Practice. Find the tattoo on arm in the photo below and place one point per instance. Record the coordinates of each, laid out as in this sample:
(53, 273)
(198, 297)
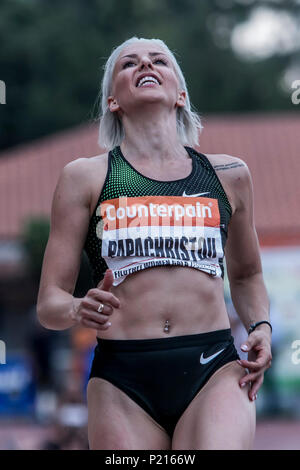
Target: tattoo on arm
(227, 166)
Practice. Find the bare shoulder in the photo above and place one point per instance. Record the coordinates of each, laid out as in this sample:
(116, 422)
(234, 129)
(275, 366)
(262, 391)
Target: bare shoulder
(82, 166)
(86, 176)
(233, 173)
(228, 165)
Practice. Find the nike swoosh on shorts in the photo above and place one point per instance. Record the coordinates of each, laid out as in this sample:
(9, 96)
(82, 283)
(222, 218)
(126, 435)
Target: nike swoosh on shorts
(194, 195)
(205, 360)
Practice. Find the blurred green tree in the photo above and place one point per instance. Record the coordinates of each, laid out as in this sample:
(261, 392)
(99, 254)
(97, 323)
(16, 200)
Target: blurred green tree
(52, 54)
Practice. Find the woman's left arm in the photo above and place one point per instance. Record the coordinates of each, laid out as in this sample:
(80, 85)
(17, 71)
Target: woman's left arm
(247, 287)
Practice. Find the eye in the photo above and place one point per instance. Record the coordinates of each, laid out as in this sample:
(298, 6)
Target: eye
(161, 60)
(126, 63)
(129, 63)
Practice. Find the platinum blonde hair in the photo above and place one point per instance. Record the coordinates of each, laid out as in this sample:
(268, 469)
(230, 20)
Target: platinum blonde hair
(111, 131)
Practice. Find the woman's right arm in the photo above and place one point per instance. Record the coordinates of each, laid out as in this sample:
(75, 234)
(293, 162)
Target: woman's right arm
(57, 309)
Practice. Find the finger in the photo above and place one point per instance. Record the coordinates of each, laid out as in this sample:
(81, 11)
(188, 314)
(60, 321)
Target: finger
(251, 341)
(95, 325)
(92, 305)
(258, 364)
(107, 309)
(107, 282)
(256, 384)
(247, 345)
(107, 298)
(248, 378)
(96, 317)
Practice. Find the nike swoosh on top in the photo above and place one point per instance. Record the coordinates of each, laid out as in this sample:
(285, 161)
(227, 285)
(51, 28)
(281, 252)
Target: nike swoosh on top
(194, 195)
(205, 360)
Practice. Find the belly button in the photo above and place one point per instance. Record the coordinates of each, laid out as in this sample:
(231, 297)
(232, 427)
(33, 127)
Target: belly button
(167, 326)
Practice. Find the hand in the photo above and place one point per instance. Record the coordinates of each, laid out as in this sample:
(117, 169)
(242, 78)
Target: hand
(86, 309)
(259, 360)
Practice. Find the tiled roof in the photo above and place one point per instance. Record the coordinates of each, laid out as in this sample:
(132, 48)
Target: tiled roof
(268, 143)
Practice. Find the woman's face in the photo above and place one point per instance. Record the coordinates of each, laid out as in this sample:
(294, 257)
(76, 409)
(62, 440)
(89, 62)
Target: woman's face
(135, 62)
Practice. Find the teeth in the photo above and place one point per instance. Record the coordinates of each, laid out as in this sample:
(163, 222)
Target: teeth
(147, 79)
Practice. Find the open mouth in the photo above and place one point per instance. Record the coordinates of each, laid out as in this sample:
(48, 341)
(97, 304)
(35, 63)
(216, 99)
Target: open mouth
(147, 80)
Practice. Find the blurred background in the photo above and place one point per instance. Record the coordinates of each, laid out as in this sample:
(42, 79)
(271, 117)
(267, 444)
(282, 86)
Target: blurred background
(241, 60)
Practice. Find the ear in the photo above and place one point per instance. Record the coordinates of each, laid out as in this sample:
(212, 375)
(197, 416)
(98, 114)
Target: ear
(113, 104)
(181, 99)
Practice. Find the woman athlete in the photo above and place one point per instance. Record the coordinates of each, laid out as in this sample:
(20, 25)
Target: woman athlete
(156, 218)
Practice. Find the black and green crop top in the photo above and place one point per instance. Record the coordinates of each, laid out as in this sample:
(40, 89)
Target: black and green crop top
(140, 222)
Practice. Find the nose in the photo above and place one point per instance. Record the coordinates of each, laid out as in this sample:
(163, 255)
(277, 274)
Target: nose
(145, 61)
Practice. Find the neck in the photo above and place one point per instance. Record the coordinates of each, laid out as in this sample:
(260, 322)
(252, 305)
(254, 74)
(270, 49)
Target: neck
(152, 136)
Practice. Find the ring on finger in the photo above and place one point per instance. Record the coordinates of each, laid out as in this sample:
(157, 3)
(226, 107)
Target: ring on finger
(100, 308)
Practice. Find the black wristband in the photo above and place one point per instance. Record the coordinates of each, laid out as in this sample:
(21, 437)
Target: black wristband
(254, 325)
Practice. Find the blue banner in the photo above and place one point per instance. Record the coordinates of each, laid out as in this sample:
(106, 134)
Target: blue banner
(17, 387)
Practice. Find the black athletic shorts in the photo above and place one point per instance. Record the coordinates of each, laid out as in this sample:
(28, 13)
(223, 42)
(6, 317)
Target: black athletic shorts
(163, 375)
